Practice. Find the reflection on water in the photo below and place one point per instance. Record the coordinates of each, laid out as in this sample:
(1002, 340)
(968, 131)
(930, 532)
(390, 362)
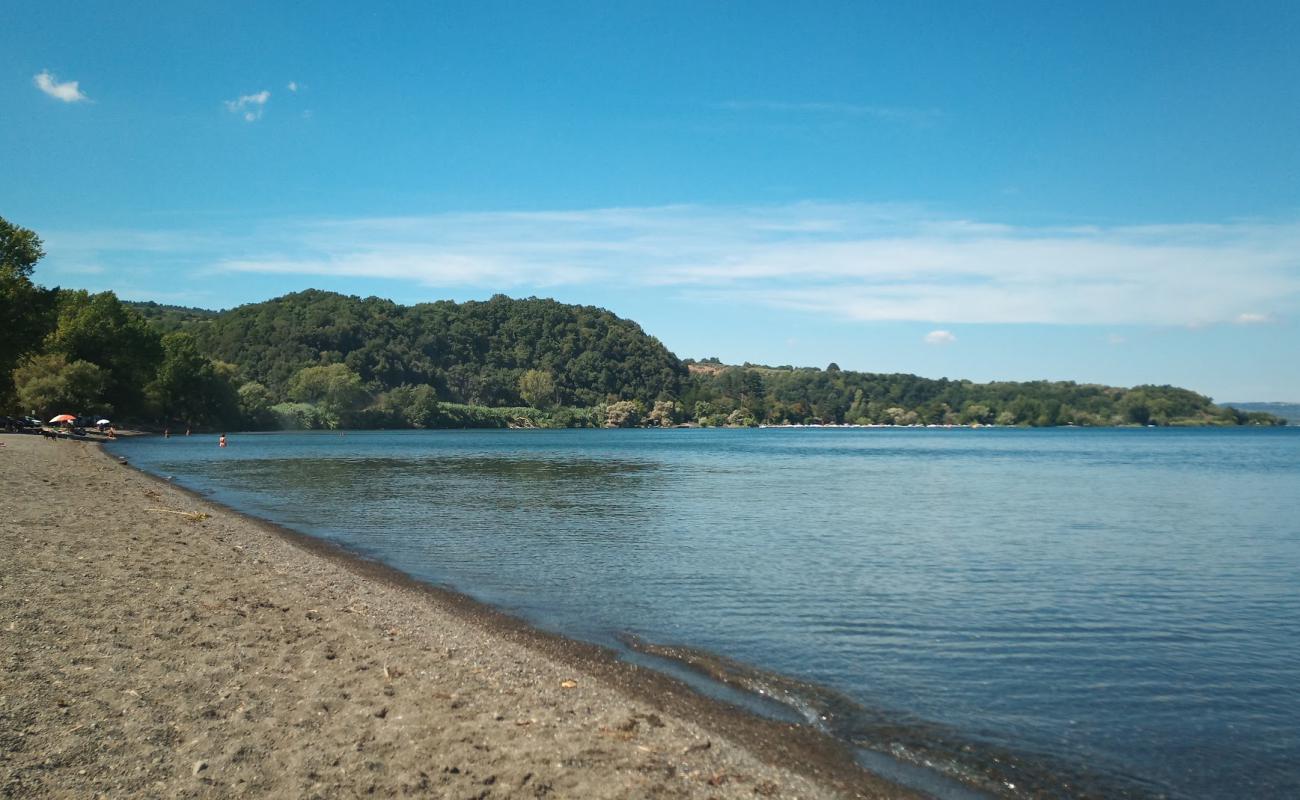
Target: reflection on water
(1113, 609)
(504, 483)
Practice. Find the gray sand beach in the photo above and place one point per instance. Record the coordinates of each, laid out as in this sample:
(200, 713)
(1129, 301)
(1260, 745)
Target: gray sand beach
(155, 644)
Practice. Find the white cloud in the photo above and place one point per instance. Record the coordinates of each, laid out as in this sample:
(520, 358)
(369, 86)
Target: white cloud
(939, 338)
(249, 106)
(292, 86)
(1252, 319)
(1115, 339)
(852, 261)
(68, 91)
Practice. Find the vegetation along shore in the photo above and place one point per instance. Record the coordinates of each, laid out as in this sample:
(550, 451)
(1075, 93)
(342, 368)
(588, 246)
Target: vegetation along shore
(317, 359)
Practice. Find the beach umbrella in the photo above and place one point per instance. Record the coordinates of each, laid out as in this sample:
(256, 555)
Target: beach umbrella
(64, 418)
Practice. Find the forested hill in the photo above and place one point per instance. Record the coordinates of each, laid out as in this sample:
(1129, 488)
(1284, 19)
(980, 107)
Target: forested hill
(506, 353)
(317, 359)
(1287, 411)
(474, 353)
(749, 394)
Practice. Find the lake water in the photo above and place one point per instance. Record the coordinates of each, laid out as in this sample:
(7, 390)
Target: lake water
(1106, 612)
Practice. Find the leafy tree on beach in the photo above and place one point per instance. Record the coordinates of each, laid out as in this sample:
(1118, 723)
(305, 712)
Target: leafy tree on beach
(191, 388)
(50, 384)
(100, 329)
(26, 310)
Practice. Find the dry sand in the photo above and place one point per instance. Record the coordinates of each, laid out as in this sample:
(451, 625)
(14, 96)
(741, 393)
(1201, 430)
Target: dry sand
(150, 653)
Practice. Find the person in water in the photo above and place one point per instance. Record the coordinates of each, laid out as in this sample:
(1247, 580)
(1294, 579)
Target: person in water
(222, 441)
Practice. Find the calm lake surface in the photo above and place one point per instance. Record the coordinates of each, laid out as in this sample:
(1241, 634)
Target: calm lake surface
(1117, 610)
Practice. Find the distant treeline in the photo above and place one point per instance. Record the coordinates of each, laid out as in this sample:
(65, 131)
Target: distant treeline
(751, 393)
(1287, 411)
(318, 359)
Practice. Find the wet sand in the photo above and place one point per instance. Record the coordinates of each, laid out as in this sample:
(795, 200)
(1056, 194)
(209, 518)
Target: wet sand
(155, 644)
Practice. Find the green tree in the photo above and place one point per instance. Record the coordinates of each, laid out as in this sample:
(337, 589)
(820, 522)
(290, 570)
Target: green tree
(26, 310)
(664, 414)
(976, 413)
(100, 329)
(300, 416)
(624, 414)
(190, 388)
(537, 388)
(410, 406)
(255, 403)
(741, 418)
(20, 249)
(336, 390)
(50, 384)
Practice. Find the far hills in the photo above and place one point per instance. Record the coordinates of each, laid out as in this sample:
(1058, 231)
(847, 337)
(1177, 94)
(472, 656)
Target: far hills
(540, 362)
(317, 359)
(1287, 411)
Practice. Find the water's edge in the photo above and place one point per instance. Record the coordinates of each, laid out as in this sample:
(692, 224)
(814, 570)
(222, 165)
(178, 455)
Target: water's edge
(920, 755)
(779, 738)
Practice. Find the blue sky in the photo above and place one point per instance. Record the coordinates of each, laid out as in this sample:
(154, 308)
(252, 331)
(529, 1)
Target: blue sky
(1103, 192)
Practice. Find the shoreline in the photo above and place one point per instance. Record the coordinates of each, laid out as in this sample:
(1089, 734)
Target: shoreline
(677, 742)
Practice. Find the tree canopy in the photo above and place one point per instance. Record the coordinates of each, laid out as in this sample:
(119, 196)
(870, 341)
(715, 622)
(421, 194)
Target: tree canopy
(317, 359)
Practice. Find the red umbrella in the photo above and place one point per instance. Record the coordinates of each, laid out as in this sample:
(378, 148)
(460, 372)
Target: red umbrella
(64, 418)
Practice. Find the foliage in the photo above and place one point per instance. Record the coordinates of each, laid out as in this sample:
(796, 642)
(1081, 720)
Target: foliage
(255, 402)
(408, 406)
(537, 388)
(100, 329)
(20, 249)
(1287, 411)
(318, 359)
(474, 353)
(170, 319)
(192, 389)
(836, 396)
(664, 414)
(334, 389)
(300, 417)
(624, 414)
(50, 384)
(26, 310)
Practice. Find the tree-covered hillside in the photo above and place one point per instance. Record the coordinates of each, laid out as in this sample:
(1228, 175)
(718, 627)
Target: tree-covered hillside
(755, 394)
(474, 353)
(317, 359)
(1287, 411)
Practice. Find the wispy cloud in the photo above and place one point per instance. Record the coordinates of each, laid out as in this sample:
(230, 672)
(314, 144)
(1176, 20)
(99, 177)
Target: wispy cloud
(292, 86)
(898, 114)
(852, 261)
(250, 106)
(939, 338)
(68, 91)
